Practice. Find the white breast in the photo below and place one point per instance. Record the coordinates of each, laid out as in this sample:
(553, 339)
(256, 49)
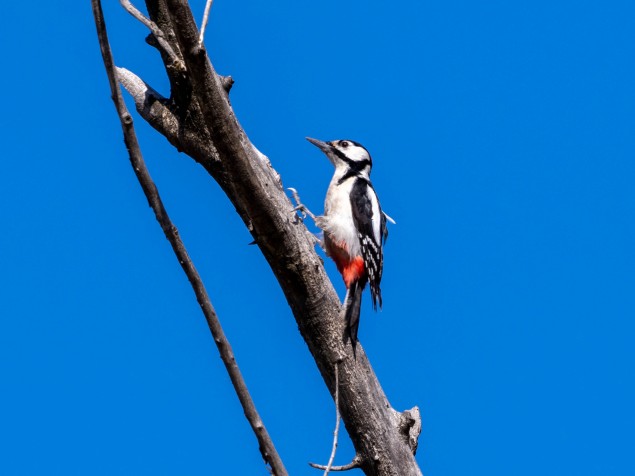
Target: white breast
(338, 216)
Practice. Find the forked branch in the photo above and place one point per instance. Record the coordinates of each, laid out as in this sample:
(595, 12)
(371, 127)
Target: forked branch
(156, 31)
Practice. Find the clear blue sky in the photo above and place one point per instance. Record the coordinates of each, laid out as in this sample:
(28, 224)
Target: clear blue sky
(503, 139)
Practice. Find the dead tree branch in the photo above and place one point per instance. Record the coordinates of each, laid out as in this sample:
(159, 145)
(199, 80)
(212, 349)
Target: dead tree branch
(267, 448)
(198, 120)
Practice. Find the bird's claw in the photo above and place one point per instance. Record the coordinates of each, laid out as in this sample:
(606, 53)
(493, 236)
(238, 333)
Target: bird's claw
(300, 207)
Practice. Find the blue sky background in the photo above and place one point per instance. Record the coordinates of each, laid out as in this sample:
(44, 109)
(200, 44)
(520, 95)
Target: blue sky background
(503, 138)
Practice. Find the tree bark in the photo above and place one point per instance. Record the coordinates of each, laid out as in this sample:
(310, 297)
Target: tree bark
(198, 120)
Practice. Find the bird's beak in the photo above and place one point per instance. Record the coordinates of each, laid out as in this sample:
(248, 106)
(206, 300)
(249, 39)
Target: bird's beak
(323, 146)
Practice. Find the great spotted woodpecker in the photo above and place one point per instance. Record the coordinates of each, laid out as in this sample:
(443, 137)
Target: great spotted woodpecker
(354, 226)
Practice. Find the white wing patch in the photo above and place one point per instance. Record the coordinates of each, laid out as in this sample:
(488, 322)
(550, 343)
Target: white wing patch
(376, 218)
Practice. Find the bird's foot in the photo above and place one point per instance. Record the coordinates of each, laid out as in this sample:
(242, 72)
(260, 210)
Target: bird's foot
(300, 209)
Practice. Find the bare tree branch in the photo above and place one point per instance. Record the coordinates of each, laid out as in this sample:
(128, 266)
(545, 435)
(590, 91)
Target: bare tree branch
(267, 448)
(208, 6)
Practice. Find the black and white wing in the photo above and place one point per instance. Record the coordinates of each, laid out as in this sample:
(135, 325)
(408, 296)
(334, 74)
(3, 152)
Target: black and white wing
(370, 224)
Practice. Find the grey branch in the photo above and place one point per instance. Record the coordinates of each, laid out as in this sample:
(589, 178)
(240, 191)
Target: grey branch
(256, 192)
(267, 448)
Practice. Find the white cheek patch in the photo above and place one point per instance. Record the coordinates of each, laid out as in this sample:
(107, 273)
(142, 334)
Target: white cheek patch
(356, 153)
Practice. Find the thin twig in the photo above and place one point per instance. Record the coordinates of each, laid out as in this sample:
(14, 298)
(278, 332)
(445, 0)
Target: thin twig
(337, 421)
(267, 449)
(156, 31)
(356, 463)
(329, 467)
(208, 6)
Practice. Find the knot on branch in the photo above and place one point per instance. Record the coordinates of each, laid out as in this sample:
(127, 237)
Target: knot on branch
(227, 82)
(198, 51)
(410, 427)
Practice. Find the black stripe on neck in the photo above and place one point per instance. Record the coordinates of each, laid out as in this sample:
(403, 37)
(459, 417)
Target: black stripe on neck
(352, 173)
(354, 167)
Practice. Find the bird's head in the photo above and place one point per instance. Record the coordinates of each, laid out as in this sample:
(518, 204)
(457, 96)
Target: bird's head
(346, 154)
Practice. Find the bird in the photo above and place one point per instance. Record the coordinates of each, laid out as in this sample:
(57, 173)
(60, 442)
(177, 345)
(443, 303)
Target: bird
(354, 227)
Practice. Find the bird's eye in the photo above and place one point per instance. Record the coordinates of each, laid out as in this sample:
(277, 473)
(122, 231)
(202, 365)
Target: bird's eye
(344, 144)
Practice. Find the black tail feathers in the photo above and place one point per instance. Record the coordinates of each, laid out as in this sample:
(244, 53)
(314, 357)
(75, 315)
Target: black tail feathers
(352, 308)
